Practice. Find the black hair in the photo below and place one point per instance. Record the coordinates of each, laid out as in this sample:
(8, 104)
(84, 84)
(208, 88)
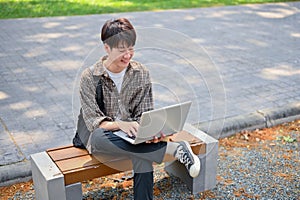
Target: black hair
(118, 31)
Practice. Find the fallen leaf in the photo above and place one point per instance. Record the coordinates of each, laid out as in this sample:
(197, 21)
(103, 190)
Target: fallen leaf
(229, 182)
(237, 194)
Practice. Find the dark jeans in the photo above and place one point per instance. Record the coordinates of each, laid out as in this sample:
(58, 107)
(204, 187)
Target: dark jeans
(106, 146)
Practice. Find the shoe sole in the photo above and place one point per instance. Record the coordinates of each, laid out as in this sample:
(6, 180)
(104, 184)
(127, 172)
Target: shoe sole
(196, 162)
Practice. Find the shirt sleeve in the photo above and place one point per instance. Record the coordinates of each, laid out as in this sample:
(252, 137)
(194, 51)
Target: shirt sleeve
(92, 115)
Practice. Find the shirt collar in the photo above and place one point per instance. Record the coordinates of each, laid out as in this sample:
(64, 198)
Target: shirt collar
(99, 69)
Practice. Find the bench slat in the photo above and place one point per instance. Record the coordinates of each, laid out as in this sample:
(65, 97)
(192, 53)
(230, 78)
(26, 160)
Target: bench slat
(61, 147)
(66, 153)
(77, 162)
(88, 173)
(197, 145)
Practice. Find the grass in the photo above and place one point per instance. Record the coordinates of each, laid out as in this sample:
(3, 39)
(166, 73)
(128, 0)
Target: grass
(46, 8)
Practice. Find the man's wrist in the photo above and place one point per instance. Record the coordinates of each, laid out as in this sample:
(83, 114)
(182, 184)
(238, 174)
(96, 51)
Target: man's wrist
(109, 125)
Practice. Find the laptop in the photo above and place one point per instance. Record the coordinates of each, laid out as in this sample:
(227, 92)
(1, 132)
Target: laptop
(167, 120)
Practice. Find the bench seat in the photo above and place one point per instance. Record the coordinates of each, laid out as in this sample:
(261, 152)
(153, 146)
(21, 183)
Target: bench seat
(78, 165)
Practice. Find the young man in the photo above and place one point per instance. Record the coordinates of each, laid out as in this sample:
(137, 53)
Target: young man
(127, 93)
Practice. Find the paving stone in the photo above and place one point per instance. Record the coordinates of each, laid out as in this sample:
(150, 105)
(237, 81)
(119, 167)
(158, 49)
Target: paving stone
(10, 152)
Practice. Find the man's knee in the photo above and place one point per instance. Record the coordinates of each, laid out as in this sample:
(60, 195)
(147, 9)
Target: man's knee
(97, 137)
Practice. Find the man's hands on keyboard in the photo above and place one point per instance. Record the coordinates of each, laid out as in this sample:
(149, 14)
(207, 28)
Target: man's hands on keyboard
(128, 127)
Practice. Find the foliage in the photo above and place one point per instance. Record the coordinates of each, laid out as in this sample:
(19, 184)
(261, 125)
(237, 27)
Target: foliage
(43, 8)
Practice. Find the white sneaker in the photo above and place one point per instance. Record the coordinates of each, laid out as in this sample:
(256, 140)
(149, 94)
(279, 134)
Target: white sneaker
(185, 155)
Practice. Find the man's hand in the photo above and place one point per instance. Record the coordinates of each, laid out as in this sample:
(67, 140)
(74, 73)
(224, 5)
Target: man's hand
(128, 127)
(157, 139)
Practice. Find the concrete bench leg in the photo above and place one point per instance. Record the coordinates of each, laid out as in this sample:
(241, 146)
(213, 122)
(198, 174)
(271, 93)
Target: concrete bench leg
(47, 178)
(74, 191)
(207, 177)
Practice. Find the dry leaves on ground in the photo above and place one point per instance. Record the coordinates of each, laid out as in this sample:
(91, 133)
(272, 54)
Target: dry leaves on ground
(251, 139)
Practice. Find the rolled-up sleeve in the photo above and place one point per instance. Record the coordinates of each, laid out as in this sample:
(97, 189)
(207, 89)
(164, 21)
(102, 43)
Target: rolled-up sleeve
(92, 115)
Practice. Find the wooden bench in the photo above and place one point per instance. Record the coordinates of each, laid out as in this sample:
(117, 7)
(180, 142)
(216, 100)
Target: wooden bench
(58, 172)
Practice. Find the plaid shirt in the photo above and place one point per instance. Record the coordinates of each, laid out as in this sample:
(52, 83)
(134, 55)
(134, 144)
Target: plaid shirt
(128, 105)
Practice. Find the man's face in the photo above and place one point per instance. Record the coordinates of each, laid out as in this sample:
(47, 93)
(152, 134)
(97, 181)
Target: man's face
(119, 57)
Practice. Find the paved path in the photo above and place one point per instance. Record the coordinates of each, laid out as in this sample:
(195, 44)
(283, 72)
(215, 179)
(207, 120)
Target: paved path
(230, 61)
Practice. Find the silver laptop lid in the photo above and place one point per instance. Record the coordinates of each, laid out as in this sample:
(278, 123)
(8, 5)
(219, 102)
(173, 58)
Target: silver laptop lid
(167, 120)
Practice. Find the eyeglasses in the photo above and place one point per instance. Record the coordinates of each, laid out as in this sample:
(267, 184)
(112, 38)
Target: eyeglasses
(125, 49)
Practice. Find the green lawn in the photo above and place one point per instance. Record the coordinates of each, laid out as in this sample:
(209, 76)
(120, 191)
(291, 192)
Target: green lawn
(42, 8)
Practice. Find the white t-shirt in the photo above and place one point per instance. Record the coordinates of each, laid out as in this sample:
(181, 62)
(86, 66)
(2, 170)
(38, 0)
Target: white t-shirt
(117, 78)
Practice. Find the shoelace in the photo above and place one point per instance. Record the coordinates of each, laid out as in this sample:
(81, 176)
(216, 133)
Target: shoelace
(181, 154)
